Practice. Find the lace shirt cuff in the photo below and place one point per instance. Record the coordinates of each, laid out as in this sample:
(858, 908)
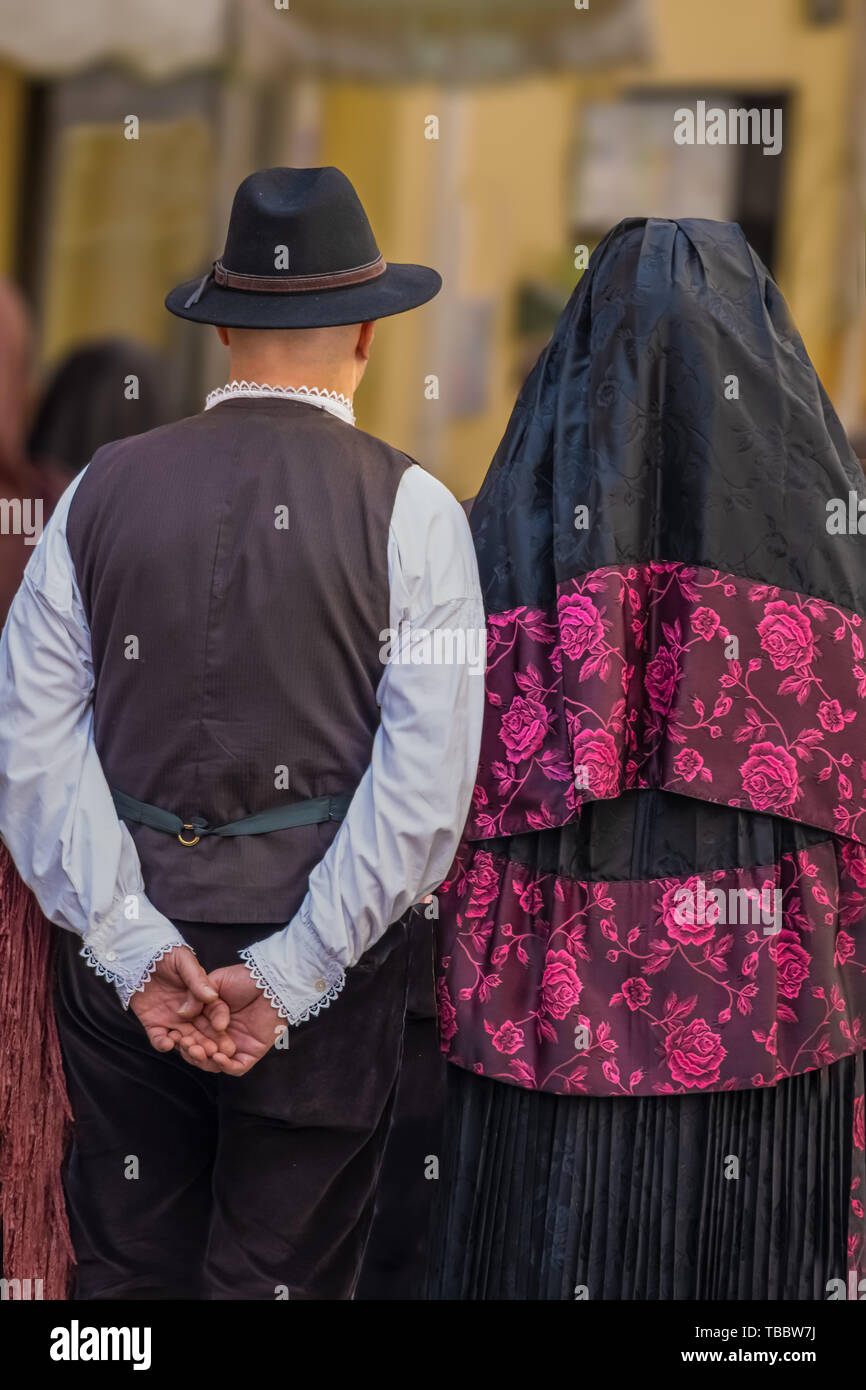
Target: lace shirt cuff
(295, 971)
(126, 951)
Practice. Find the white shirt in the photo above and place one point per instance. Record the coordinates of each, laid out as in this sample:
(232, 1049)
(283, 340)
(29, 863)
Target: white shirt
(400, 833)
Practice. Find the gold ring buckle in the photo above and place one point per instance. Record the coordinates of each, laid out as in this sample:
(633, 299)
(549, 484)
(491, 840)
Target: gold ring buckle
(187, 825)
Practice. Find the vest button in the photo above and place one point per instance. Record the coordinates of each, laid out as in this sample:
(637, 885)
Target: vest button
(320, 985)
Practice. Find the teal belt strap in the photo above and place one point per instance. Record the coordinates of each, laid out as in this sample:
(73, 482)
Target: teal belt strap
(310, 812)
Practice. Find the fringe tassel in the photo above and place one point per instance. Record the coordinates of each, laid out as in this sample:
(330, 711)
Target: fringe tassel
(35, 1116)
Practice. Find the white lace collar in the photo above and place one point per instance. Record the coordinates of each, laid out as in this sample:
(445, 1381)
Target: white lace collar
(333, 401)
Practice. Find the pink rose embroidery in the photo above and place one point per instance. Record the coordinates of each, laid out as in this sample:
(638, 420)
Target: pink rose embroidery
(636, 992)
(447, 1012)
(524, 727)
(792, 963)
(596, 753)
(660, 680)
(770, 777)
(830, 716)
(705, 623)
(854, 860)
(483, 881)
(580, 625)
(509, 1038)
(689, 912)
(786, 636)
(694, 1054)
(530, 898)
(859, 1123)
(688, 764)
(545, 951)
(560, 986)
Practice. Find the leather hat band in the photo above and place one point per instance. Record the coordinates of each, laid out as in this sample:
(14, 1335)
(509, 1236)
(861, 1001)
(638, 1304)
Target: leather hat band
(289, 284)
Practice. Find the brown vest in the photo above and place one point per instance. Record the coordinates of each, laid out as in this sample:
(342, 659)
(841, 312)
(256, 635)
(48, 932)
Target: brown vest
(229, 649)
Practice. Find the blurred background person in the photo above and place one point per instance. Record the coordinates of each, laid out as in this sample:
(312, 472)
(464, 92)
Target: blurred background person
(26, 494)
(31, 1079)
(99, 392)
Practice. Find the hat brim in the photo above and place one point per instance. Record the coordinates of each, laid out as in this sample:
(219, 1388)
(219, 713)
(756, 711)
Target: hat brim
(399, 288)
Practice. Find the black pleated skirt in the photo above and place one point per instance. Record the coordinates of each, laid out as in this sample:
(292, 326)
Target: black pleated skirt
(729, 1195)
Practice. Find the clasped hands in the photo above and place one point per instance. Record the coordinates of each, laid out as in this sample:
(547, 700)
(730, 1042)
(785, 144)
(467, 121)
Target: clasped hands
(219, 1022)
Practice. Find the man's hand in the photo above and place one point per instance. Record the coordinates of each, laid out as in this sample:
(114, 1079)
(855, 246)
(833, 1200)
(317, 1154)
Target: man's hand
(254, 1024)
(177, 993)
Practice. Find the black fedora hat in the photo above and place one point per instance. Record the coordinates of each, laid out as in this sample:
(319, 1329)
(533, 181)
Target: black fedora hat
(300, 253)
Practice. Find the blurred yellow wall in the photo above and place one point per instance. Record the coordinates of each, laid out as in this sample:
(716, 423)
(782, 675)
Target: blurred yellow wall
(130, 218)
(489, 198)
(12, 94)
(487, 203)
(742, 44)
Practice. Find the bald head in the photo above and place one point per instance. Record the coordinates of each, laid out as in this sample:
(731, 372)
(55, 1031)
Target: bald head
(333, 359)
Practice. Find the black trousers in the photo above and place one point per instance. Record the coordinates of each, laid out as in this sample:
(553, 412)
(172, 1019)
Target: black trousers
(183, 1184)
(397, 1255)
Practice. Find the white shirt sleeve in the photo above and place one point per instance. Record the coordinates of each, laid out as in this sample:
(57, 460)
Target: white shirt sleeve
(403, 825)
(57, 817)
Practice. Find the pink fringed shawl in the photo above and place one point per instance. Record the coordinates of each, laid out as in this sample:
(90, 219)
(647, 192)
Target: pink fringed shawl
(35, 1116)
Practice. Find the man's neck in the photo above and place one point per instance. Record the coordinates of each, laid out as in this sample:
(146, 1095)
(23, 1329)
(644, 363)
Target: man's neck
(292, 376)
